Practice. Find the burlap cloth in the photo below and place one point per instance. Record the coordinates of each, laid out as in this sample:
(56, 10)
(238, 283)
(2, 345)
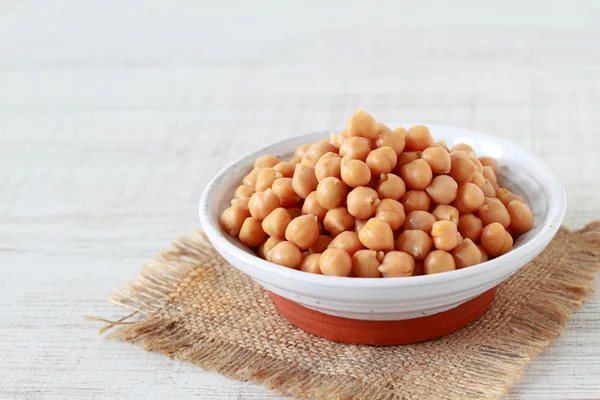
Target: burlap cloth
(191, 305)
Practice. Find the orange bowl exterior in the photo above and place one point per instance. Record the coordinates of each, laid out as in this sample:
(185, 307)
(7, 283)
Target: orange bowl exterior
(383, 333)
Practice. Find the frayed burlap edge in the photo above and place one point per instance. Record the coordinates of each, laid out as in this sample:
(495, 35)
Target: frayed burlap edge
(527, 335)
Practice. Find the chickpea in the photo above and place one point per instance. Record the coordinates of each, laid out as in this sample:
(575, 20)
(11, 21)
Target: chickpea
(250, 179)
(477, 163)
(251, 232)
(286, 169)
(310, 263)
(459, 238)
(397, 264)
(392, 139)
(462, 168)
(320, 245)
(316, 151)
(300, 152)
(468, 198)
(466, 254)
(276, 222)
(495, 239)
(438, 261)
(294, 212)
(284, 189)
(406, 158)
(243, 192)
(304, 181)
(438, 159)
(347, 241)
(419, 220)
(521, 216)
(484, 255)
(312, 206)
(356, 148)
(331, 192)
(240, 203)
(479, 180)
(442, 189)
(262, 203)
(233, 218)
(266, 161)
(303, 231)
(392, 212)
(445, 235)
(493, 210)
(377, 235)
(416, 243)
(506, 197)
(418, 138)
(446, 213)
(355, 172)
(335, 262)
(359, 223)
(338, 139)
(490, 162)
(416, 174)
(462, 147)
(338, 220)
(365, 263)
(328, 165)
(381, 128)
(382, 160)
(415, 200)
(470, 227)
(321, 143)
(362, 124)
(390, 186)
(265, 247)
(286, 254)
(501, 192)
(361, 202)
(265, 179)
(488, 173)
(488, 190)
(442, 144)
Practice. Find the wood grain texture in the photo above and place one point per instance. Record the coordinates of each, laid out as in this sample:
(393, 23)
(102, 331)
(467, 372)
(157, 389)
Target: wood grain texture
(114, 115)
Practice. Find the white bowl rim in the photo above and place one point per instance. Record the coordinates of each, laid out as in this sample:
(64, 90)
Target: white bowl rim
(556, 213)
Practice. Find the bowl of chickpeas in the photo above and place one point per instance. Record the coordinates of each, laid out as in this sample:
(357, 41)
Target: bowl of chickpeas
(383, 236)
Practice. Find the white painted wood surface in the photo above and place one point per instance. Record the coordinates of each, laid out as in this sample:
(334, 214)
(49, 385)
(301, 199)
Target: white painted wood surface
(114, 115)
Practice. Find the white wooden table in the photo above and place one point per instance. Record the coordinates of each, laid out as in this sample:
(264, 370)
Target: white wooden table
(114, 115)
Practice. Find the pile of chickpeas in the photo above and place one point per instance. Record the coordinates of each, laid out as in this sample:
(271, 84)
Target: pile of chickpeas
(373, 202)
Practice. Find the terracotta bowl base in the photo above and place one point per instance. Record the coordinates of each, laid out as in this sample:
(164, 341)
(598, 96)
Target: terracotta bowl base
(383, 333)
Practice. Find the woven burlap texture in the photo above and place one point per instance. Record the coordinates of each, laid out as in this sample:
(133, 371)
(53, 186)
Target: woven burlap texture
(191, 305)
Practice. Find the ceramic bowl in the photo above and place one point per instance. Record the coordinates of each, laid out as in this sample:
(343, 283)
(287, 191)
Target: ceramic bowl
(398, 310)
